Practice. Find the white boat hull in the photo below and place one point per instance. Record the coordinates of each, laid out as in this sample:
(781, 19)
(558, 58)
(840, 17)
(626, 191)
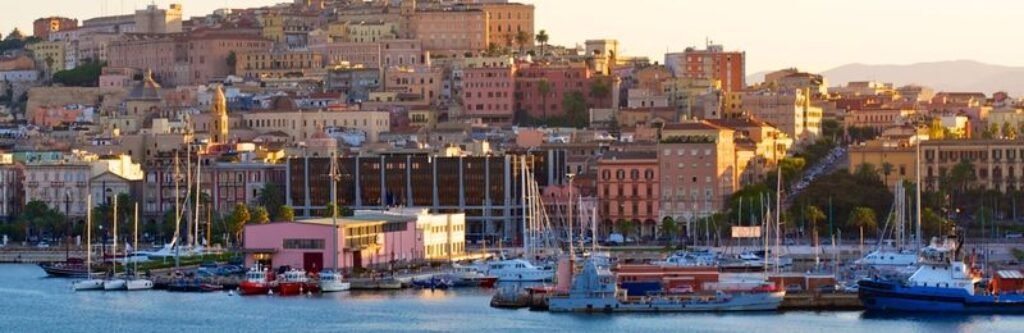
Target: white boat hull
(334, 286)
(524, 276)
(115, 284)
(140, 284)
(90, 284)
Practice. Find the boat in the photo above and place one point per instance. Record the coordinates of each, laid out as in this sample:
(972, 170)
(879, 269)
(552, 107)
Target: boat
(942, 284)
(115, 284)
(377, 284)
(465, 276)
(439, 281)
(134, 281)
(71, 267)
(210, 287)
(257, 282)
(89, 283)
(692, 258)
(595, 290)
(331, 280)
(185, 285)
(888, 258)
(517, 270)
(292, 282)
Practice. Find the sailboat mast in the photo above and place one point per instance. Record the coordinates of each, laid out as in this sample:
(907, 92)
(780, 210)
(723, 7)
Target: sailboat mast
(917, 200)
(778, 215)
(135, 246)
(113, 249)
(334, 208)
(188, 188)
(195, 222)
(177, 200)
(88, 235)
(522, 189)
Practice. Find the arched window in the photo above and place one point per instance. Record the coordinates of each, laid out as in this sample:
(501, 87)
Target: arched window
(606, 174)
(634, 174)
(621, 174)
(648, 174)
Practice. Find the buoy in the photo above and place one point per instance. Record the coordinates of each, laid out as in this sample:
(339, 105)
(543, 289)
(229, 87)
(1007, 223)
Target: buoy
(270, 291)
(231, 293)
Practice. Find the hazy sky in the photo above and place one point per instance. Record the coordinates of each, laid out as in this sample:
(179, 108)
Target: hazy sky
(814, 35)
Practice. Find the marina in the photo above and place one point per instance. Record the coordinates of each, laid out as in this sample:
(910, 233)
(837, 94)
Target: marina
(32, 301)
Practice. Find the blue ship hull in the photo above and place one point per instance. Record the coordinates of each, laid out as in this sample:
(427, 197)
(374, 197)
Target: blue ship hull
(891, 296)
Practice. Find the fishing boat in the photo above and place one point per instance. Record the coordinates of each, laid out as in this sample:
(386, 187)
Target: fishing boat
(331, 281)
(89, 283)
(942, 284)
(257, 282)
(595, 290)
(292, 282)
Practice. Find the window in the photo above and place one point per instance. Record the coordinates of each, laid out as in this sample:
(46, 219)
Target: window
(304, 244)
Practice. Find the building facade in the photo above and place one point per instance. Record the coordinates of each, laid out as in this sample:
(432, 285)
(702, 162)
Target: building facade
(488, 93)
(628, 189)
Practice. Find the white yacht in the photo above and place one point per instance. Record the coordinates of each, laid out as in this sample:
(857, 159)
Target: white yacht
(518, 270)
(331, 281)
(697, 258)
(888, 258)
(115, 284)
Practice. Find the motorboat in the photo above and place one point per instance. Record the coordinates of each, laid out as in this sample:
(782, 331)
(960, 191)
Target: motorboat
(293, 282)
(257, 281)
(331, 281)
(704, 258)
(517, 270)
(138, 284)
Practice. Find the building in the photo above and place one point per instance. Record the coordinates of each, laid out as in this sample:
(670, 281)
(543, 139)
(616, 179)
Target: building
(363, 241)
(485, 188)
(711, 63)
(451, 31)
(443, 235)
(10, 188)
(997, 164)
(506, 20)
(197, 57)
(698, 169)
(269, 65)
(18, 69)
(415, 82)
(355, 83)
(488, 93)
(895, 160)
(628, 189)
(350, 55)
(791, 113)
(300, 126)
(153, 20)
(561, 81)
(43, 27)
(878, 119)
(49, 55)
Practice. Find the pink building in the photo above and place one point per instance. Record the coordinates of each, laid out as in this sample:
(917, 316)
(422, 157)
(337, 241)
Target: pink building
(698, 169)
(365, 240)
(488, 93)
(628, 189)
(562, 80)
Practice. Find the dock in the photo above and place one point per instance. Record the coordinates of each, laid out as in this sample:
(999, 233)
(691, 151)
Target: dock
(821, 302)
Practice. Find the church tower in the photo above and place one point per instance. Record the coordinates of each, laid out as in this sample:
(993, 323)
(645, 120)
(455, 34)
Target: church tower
(219, 116)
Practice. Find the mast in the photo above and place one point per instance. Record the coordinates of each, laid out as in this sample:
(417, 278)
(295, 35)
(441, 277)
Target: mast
(88, 236)
(195, 222)
(917, 200)
(593, 229)
(188, 188)
(778, 215)
(522, 189)
(113, 248)
(135, 246)
(177, 200)
(334, 209)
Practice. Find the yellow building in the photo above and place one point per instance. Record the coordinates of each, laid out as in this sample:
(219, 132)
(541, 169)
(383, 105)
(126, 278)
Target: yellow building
(506, 20)
(732, 105)
(792, 113)
(50, 55)
(998, 164)
(894, 159)
(372, 32)
(300, 126)
(275, 64)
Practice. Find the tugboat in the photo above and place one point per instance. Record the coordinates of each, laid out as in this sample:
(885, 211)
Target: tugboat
(942, 283)
(256, 282)
(594, 290)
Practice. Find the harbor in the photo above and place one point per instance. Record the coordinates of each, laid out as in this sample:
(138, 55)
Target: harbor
(31, 299)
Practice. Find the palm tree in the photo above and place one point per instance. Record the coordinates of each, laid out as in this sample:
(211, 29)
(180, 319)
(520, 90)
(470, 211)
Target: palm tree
(522, 38)
(544, 87)
(814, 216)
(669, 227)
(542, 38)
(626, 228)
(861, 218)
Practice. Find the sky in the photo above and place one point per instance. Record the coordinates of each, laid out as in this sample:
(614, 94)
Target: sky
(813, 35)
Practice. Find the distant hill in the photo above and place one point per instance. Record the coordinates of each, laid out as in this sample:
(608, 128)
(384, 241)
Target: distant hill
(959, 75)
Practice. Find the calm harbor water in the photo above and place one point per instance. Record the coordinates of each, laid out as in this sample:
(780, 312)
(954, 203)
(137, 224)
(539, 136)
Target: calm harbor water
(31, 302)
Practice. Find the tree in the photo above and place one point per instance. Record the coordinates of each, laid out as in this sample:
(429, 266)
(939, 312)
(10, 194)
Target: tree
(862, 218)
(542, 38)
(37, 218)
(1009, 131)
(575, 107)
(15, 35)
(287, 213)
(329, 210)
(669, 228)
(600, 88)
(238, 219)
(522, 37)
(85, 75)
(544, 88)
(932, 224)
(626, 227)
(271, 197)
(232, 60)
(814, 216)
(260, 216)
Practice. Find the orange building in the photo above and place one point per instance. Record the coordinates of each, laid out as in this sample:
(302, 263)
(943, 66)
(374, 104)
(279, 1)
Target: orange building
(506, 20)
(716, 64)
(451, 31)
(698, 169)
(42, 27)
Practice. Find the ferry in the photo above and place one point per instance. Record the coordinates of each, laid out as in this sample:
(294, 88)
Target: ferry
(595, 290)
(941, 284)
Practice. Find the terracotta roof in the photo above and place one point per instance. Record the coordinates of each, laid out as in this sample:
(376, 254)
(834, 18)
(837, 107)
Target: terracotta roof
(699, 125)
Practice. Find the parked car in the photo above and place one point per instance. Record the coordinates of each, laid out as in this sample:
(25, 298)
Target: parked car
(43, 245)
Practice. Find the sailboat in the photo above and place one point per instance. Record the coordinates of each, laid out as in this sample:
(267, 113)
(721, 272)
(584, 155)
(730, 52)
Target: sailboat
(331, 280)
(89, 283)
(114, 283)
(134, 282)
(902, 257)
